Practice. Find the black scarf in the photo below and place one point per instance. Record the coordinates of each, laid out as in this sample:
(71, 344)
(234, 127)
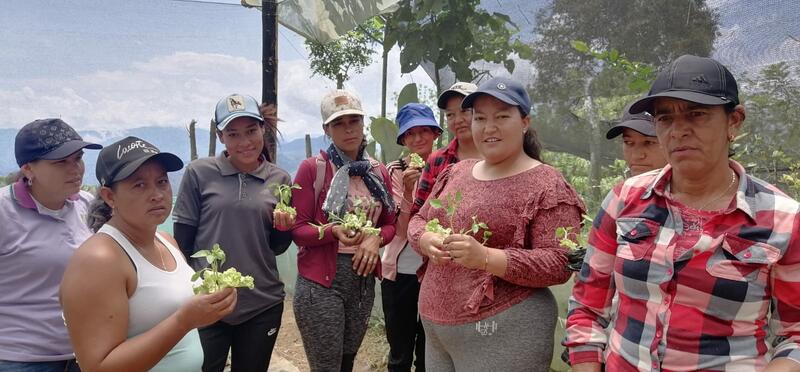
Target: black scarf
(336, 200)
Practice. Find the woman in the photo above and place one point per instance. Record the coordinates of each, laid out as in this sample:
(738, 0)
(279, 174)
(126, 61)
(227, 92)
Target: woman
(485, 305)
(335, 286)
(127, 291)
(43, 222)
(400, 287)
(697, 253)
(459, 121)
(229, 200)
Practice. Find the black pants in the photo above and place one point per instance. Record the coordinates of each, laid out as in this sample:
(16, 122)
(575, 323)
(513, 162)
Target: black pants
(250, 343)
(403, 327)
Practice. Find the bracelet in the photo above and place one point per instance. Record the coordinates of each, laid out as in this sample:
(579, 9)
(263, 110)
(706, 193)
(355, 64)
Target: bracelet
(486, 260)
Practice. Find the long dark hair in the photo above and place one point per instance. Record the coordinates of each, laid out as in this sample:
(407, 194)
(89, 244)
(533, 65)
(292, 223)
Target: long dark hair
(99, 212)
(530, 143)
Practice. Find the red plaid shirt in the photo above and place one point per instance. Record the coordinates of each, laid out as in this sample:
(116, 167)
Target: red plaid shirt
(437, 161)
(695, 289)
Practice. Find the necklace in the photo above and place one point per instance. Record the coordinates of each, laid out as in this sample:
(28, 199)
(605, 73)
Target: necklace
(733, 181)
(160, 254)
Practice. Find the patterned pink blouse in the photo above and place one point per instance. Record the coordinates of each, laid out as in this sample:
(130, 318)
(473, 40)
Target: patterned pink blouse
(523, 212)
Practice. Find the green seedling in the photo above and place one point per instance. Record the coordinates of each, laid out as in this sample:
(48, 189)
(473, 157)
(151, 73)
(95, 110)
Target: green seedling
(354, 222)
(213, 280)
(284, 195)
(450, 205)
(416, 161)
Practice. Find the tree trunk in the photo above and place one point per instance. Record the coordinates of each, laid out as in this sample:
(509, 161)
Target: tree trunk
(192, 140)
(269, 62)
(385, 69)
(212, 139)
(443, 139)
(308, 146)
(339, 83)
(594, 144)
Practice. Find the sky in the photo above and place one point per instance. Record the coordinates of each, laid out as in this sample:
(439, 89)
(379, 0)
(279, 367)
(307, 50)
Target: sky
(110, 65)
(115, 64)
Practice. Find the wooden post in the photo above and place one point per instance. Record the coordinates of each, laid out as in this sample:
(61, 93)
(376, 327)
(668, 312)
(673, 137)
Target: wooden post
(308, 146)
(212, 139)
(269, 93)
(192, 140)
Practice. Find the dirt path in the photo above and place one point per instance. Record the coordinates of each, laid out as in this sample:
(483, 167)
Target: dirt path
(289, 356)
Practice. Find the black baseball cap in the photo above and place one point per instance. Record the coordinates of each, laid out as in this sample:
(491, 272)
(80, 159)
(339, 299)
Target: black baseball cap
(504, 89)
(694, 79)
(49, 139)
(120, 159)
(641, 122)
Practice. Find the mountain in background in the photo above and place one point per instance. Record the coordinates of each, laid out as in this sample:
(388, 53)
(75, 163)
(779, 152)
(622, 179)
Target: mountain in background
(170, 139)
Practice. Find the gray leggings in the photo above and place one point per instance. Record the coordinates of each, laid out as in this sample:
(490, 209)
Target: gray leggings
(333, 321)
(517, 339)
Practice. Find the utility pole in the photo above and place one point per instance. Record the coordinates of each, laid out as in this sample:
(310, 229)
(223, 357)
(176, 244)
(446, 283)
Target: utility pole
(269, 77)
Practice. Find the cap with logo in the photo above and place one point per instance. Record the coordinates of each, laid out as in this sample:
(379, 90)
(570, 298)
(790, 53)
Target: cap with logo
(504, 89)
(415, 115)
(236, 106)
(460, 88)
(641, 122)
(694, 79)
(49, 139)
(339, 103)
(121, 159)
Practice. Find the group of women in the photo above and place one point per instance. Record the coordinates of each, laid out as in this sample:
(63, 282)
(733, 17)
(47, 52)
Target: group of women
(469, 295)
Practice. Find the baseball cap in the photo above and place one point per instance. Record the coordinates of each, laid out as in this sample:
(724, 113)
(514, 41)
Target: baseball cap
(49, 139)
(339, 103)
(415, 115)
(694, 79)
(236, 106)
(459, 88)
(120, 159)
(641, 122)
(504, 89)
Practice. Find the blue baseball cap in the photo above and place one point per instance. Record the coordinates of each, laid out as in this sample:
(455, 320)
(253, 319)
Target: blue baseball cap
(236, 106)
(504, 89)
(415, 115)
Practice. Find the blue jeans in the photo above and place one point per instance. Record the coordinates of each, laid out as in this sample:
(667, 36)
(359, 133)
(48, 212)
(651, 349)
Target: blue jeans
(57, 366)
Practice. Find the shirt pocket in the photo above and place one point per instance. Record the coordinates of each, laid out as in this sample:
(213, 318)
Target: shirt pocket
(742, 260)
(635, 237)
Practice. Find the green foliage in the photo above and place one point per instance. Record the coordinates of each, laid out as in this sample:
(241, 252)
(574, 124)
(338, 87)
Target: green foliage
(576, 172)
(213, 280)
(339, 59)
(416, 161)
(407, 95)
(768, 147)
(425, 32)
(284, 194)
(450, 205)
(354, 222)
(640, 74)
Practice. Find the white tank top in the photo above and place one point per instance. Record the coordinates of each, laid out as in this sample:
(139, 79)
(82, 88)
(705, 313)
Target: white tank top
(158, 294)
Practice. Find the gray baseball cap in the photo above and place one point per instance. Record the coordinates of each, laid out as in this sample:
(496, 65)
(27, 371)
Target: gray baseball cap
(236, 106)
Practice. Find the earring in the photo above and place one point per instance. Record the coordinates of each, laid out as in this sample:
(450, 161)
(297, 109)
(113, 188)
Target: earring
(29, 181)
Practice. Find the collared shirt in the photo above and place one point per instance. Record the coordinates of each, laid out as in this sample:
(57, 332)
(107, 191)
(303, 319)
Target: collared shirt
(234, 209)
(435, 164)
(695, 288)
(35, 245)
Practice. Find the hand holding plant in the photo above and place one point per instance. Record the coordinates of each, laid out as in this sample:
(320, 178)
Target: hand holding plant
(213, 280)
(575, 243)
(284, 214)
(352, 223)
(460, 246)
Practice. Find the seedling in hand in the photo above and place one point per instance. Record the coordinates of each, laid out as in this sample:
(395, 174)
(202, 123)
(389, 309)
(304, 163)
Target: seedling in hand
(284, 194)
(213, 280)
(416, 161)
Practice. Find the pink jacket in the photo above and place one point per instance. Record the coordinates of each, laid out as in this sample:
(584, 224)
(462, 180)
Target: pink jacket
(316, 258)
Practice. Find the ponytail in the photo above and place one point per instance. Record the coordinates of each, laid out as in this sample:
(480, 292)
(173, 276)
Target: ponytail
(531, 144)
(99, 213)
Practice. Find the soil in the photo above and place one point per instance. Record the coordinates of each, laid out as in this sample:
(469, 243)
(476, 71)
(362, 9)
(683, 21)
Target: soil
(372, 356)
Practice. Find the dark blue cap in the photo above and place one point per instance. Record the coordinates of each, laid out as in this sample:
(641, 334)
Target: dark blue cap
(641, 122)
(415, 115)
(504, 89)
(49, 139)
